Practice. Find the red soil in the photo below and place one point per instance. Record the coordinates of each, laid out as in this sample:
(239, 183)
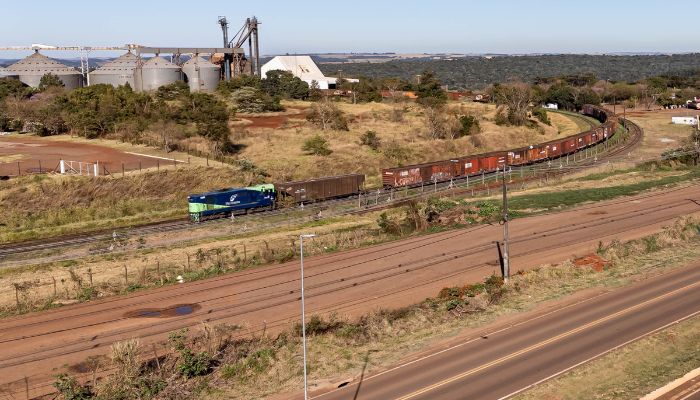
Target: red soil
(36, 152)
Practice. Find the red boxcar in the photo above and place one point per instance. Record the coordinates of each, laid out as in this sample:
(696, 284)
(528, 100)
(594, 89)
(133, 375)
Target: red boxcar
(517, 157)
(401, 176)
(469, 165)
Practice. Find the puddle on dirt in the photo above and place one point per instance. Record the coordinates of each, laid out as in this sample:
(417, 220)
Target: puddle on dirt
(168, 312)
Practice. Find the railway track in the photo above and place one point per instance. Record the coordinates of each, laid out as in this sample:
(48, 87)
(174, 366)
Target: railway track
(366, 202)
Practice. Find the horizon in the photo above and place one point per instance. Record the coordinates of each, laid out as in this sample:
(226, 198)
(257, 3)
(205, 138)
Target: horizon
(314, 27)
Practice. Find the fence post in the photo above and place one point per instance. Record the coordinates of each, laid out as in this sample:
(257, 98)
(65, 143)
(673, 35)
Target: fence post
(54, 286)
(122, 170)
(126, 276)
(207, 160)
(139, 166)
(40, 166)
(157, 165)
(89, 271)
(19, 170)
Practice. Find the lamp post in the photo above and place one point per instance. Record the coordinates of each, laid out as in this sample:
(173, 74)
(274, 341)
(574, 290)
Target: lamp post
(303, 319)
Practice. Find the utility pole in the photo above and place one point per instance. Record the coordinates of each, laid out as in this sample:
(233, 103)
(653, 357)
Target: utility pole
(506, 265)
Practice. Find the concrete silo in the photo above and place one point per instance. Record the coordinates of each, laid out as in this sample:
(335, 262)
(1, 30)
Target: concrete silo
(32, 68)
(119, 71)
(155, 73)
(202, 75)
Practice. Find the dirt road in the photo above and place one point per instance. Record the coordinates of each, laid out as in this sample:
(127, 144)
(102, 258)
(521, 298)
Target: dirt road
(39, 345)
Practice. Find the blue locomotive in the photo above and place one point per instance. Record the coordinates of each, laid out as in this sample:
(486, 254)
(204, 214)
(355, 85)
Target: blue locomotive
(231, 201)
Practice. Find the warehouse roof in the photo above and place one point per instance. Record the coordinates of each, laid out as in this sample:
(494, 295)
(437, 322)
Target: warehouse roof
(302, 67)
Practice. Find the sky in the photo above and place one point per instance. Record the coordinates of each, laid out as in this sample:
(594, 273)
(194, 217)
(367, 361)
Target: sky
(407, 26)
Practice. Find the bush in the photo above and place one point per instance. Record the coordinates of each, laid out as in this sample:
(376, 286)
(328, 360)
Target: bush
(327, 116)
(396, 153)
(191, 364)
(371, 140)
(541, 115)
(70, 389)
(316, 145)
(469, 125)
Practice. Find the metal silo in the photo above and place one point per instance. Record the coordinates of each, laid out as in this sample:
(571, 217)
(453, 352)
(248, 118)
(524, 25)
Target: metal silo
(32, 68)
(201, 74)
(119, 71)
(155, 73)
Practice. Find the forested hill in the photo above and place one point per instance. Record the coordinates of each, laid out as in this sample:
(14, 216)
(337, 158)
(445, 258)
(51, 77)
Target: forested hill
(478, 72)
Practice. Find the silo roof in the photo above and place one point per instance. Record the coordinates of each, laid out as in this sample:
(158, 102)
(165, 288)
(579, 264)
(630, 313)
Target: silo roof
(201, 61)
(159, 62)
(124, 63)
(39, 64)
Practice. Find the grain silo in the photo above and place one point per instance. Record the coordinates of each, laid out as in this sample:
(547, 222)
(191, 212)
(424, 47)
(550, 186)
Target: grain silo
(119, 71)
(155, 73)
(202, 75)
(32, 68)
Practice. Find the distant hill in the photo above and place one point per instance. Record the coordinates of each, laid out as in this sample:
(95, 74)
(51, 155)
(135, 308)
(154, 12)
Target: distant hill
(476, 72)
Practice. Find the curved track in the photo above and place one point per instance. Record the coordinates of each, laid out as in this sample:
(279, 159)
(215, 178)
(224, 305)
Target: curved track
(380, 198)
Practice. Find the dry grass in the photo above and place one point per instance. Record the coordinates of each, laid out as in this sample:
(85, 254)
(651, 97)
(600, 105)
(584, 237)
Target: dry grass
(289, 162)
(41, 205)
(659, 134)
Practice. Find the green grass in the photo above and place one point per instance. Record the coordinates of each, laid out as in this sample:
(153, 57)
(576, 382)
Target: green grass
(567, 198)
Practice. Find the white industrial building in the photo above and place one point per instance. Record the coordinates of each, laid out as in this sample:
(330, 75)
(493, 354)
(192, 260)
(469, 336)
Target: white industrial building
(302, 67)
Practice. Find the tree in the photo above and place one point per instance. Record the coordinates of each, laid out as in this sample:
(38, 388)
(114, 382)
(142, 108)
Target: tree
(315, 93)
(327, 116)
(284, 84)
(248, 99)
(429, 90)
(49, 80)
(516, 97)
(13, 87)
(316, 145)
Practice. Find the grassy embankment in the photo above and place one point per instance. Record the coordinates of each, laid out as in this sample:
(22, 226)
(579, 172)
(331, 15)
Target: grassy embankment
(340, 349)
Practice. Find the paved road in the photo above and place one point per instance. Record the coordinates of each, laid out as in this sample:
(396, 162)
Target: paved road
(503, 363)
(36, 346)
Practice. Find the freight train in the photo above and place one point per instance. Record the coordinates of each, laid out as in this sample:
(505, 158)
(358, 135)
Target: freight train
(267, 196)
(461, 167)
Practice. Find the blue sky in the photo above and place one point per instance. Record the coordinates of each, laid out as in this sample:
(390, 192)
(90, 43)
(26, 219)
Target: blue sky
(503, 26)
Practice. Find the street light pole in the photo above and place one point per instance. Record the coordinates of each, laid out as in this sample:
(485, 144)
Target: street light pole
(506, 264)
(303, 318)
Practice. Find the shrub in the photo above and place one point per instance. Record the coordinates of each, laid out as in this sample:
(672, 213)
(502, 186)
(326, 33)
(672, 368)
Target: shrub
(371, 140)
(396, 153)
(327, 116)
(191, 364)
(541, 115)
(316, 145)
(469, 125)
(70, 389)
(249, 99)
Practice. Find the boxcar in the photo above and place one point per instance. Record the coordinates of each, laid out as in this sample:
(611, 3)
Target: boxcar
(517, 157)
(469, 165)
(328, 187)
(427, 173)
(231, 200)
